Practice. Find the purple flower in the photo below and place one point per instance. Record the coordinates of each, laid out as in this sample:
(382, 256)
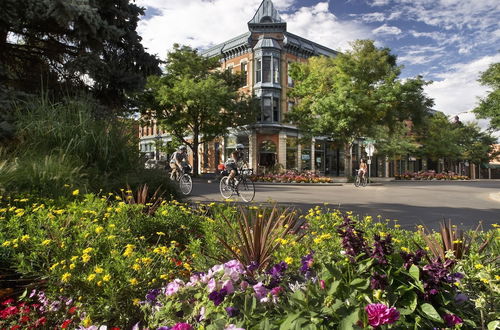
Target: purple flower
(173, 287)
(382, 248)
(277, 270)
(451, 320)
(228, 285)
(164, 328)
(244, 285)
(412, 258)
(152, 294)
(277, 290)
(260, 290)
(461, 298)
(232, 312)
(435, 274)
(352, 238)
(182, 326)
(307, 263)
(253, 266)
(380, 314)
(218, 296)
(378, 281)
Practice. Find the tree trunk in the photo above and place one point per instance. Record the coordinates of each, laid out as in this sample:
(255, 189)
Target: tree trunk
(196, 143)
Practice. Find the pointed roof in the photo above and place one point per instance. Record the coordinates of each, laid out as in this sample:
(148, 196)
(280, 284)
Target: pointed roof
(266, 14)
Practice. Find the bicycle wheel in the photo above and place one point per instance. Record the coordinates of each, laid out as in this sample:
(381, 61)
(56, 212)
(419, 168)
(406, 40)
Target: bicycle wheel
(364, 182)
(225, 189)
(357, 181)
(246, 190)
(185, 184)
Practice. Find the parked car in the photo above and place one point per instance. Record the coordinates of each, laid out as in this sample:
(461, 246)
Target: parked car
(155, 164)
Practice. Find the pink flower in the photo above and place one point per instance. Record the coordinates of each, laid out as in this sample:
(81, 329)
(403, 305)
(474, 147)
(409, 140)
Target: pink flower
(451, 320)
(182, 326)
(243, 285)
(276, 291)
(228, 285)
(173, 287)
(380, 314)
(322, 284)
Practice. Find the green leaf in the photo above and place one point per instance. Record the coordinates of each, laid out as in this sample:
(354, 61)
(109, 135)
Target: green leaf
(287, 324)
(415, 272)
(348, 321)
(360, 283)
(333, 288)
(494, 325)
(409, 303)
(430, 312)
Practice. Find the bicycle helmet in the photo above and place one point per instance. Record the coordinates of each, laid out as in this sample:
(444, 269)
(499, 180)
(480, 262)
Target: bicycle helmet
(182, 148)
(239, 146)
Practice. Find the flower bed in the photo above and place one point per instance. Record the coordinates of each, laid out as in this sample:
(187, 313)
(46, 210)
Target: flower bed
(430, 175)
(100, 261)
(293, 177)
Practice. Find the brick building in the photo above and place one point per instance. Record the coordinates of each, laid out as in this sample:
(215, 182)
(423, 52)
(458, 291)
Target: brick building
(264, 55)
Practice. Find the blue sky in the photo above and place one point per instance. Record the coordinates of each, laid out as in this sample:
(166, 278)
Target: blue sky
(447, 41)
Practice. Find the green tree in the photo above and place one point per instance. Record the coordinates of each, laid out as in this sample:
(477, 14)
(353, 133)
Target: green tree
(346, 97)
(489, 107)
(89, 45)
(476, 146)
(194, 101)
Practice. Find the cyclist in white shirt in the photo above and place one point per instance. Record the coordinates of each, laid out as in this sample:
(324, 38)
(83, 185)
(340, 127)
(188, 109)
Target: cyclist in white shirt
(177, 161)
(237, 159)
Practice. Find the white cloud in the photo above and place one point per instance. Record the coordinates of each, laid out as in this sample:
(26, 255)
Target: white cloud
(379, 2)
(458, 90)
(201, 23)
(372, 17)
(387, 30)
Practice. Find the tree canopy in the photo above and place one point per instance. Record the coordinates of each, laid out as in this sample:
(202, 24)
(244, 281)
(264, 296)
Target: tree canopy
(348, 96)
(87, 45)
(194, 101)
(489, 107)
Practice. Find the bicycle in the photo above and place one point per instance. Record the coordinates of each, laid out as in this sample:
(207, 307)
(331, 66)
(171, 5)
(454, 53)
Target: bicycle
(360, 180)
(241, 186)
(184, 180)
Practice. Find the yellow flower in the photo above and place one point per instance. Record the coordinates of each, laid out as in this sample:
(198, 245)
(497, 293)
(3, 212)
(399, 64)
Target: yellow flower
(54, 266)
(146, 260)
(85, 258)
(91, 277)
(136, 267)
(46, 242)
(75, 192)
(160, 233)
(25, 238)
(129, 250)
(72, 266)
(136, 301)
(111, 225)
(99, 283)
(133, 281)
(65, 277)
(88, 250)
(6, 243)
(87, 322)
(478, 266)
(73, 258)
(457, 241)
(405, 249)
(99, 230)
(288, 260)
(318, 240)
(497, 277)
(164, 276)
(485, 281)
(98, 269)
(110, 237)
(397, 226)
(106, 278)
(187, 266)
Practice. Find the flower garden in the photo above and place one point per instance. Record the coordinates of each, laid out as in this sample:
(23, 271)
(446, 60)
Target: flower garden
(430, 175)
(91, 260)
(293, 177)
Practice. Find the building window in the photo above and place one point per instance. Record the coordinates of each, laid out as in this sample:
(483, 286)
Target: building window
(276, 70)
(205, 155)
(258, 70)
(276, 109)
(266, 69)
(291, 152)
(244, 73)
(267, 109)
(290, 80)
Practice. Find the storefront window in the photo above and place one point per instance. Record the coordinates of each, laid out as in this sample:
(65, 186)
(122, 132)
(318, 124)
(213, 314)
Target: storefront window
(267, 153)
(306, 158)
(319, 157)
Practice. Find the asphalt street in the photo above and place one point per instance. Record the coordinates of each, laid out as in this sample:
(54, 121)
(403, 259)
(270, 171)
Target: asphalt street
(412, 203)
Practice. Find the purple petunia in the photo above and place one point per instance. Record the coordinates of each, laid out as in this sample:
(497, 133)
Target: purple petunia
(451, 320)
(218, 296)
(277, 271)
(182, 326)
(306, 265)
(232, 311)
(380, 314)
(260, 290)
(152, 294)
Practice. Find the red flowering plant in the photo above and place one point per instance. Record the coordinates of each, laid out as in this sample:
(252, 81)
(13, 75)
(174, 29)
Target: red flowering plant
(292, 176)
(38, 312)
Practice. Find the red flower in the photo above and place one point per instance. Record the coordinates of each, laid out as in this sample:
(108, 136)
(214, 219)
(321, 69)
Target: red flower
(11, 310)
(65, 324)
(15, 327)
(41, 321)
(24, 319)
(72, 310)
(7, 301)
(115, 328)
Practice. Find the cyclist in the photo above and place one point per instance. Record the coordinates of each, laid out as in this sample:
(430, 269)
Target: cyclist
(363, 168)
(236, 160)
(177, 161)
